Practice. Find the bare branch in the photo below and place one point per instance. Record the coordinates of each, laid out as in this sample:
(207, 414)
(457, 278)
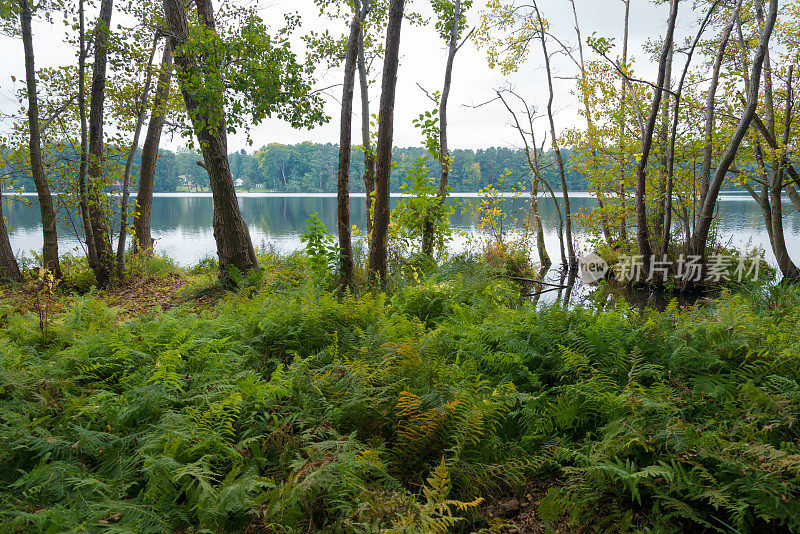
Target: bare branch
(427, 94)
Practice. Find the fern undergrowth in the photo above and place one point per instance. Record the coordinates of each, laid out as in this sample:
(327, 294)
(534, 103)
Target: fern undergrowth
(286, 409)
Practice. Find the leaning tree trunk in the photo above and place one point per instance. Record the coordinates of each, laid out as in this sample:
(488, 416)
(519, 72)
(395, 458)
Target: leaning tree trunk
(642, 231)
(369, 155)
(708, 149)
(100, 228)
(665, 239)
(591, 130)
(444, 152)
(572, 260)
(126, 178)
(706, 218)
(9, 269)
(234, 247)
(83, 190)
(147, 167)
(345, 131)
(383, 150)
(49, 233)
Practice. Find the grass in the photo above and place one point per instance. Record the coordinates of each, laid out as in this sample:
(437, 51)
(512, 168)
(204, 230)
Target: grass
(282, 408)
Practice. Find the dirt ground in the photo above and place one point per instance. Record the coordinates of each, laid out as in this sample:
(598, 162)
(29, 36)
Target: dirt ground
(136, 297)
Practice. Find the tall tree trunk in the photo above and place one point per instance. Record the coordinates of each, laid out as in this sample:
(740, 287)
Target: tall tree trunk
(788, 268)
(533, 163)
(345, 127)
(147, 167)
(100, 227)
(49, 234)
(708, 152)
(661, 199)
(83, 189)
(777, 166)
(706, 218)
(571, 257)
(623, 227)
(674, 134)
(366, 142)
(763, 199)
(794, 196)
(642, 231)
(234, 247)
(590, 128)
(444, 153)
(383, 150)
(126, 178)
(9, 269)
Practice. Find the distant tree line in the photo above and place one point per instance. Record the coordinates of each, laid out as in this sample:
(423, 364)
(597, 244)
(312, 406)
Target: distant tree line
(311, 168)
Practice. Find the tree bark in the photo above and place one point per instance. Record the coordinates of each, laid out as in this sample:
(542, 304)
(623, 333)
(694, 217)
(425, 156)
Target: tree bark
(366, 142)
(623, 227)
(99, 222)
(234, 247)
(642, 230)
(794, 196)
(444, 154)
(9, 269)
(788, 268)
(705, 170)
(572, 260)
(345, 128)
(674, 134)
(533, 164)
(383, 150)
(661, 199)
(706, 218)
(147, 167)
(48, 214)
(83, 190)
(763, 199)
(123, 210)
(590, 128)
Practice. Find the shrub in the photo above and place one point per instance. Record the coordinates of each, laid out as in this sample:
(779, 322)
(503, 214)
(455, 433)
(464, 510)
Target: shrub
(77, 274)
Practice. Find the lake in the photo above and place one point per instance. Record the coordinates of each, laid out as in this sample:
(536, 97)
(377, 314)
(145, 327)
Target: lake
(181, 222)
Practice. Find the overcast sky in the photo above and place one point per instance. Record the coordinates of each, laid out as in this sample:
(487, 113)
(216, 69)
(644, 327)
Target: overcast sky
(422, 61)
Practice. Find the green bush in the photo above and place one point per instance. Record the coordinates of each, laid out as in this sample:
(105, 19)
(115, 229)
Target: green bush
(77, 274)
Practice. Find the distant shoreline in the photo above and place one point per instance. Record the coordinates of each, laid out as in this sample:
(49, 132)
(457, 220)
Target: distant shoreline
(266, 194)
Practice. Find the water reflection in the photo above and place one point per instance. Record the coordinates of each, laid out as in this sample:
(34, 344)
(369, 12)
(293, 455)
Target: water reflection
(181, 223)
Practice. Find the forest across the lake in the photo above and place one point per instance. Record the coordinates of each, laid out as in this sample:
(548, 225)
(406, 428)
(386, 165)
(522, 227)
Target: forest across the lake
(312, 168)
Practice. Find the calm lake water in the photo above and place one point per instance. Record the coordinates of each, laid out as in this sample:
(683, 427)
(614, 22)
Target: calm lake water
(181, 222)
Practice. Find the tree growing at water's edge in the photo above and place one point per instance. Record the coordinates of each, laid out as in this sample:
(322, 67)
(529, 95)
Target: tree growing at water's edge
(49, 234)
(343, 181)
(149, 158)
(213, 89)
(198, 70)
(383, 149)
